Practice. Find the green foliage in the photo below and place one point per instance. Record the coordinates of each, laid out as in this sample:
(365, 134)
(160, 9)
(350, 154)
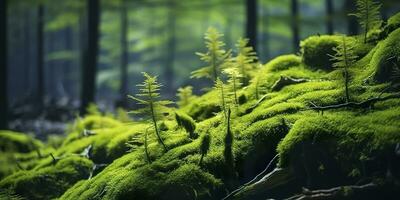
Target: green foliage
(185, 121)
(315, 50)
(215, 57)
(393, 23)
(185, 96)
(344, 58)
(234, 84)
(283, 62)
(245, 60)
(221, 89)
(93, 109)
(205, 142)
(368, 14)
(154, 109)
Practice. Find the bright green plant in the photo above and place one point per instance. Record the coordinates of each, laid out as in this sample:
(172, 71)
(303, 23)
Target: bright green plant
(234, 83)
(204, 146)
(228, 141)
(215, 56)
(220, 87)
(185, 95)
(245, 60)
(185, 121)
(368, 15)
(154, 108)
(344, 57)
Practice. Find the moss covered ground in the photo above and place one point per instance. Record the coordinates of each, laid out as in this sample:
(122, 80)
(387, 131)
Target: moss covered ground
(109, 157)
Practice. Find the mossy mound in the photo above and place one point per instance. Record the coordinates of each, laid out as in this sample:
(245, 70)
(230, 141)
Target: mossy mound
(283, 62)
(387, 57)
(17, 142)
(343, 143)
(48, 182)
(315, 51)
(393, 23)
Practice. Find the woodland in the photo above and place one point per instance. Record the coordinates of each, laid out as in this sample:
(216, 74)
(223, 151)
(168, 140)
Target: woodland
(231, 100)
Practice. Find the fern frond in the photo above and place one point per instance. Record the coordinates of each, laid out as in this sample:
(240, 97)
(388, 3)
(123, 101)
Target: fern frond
(234, 84)
(154, 109)
(215, 56)
(368, 15)
(185, 95)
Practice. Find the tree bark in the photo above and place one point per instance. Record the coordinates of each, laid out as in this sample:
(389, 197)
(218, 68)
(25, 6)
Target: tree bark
(3, 66)
(329, 16)
(352, 24)
(123, 89)
(40, 55)
(171, 47)
(252, 22)
(90, 53)
(294, 5)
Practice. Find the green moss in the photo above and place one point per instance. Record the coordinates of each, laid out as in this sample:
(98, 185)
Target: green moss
(17, 142)
(386, 57)
(393, 23)
(48, 182)
(283, 62)
(347, 141)
(315, 51)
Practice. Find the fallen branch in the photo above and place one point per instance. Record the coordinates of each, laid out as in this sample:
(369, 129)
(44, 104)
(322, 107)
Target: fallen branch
(285, 81)
(333, 193)
(255, 179)
(364, 104)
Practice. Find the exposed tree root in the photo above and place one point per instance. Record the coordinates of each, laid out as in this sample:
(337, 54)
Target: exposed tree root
(364, 104)
(333, 193)
(256, 178)
(285, 81)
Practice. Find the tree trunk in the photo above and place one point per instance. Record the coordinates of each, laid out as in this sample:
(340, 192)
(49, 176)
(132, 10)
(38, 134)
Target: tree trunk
(3, 66)
(252, 22)
(352, 24)
(123, 89)
(294, 5)
(90, 53)
(329, 16)
(171, 47)
(40, 56)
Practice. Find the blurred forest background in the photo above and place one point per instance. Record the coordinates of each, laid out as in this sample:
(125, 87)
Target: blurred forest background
(58, 56)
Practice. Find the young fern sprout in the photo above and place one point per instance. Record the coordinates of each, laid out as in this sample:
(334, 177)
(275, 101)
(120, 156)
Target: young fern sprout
(220, 87)
(344, 57)
(245, 59)
(215, 56)
(234, 84)
(154, 109)
(204, 146)
(368, 14)
(228, 140)
(185, 121)
(185, 95)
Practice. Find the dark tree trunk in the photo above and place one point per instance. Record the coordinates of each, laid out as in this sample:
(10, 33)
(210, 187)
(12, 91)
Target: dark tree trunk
(171, 44)
(123, 90)
(40, 56)
(352, 24)
(90, 53)
(294, 5)
(3, 66)
(329, 16)
(252, 22)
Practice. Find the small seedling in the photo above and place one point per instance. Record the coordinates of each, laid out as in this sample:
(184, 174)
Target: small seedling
(154, 109)
(185, 121)
(368, 14)
(204, 146)
(215, 56)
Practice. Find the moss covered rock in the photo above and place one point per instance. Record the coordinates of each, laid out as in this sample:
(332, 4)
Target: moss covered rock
(283, 62)
(393, 23)
(50, 181)
(17, 142)
(386, 57)
(315, 51)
